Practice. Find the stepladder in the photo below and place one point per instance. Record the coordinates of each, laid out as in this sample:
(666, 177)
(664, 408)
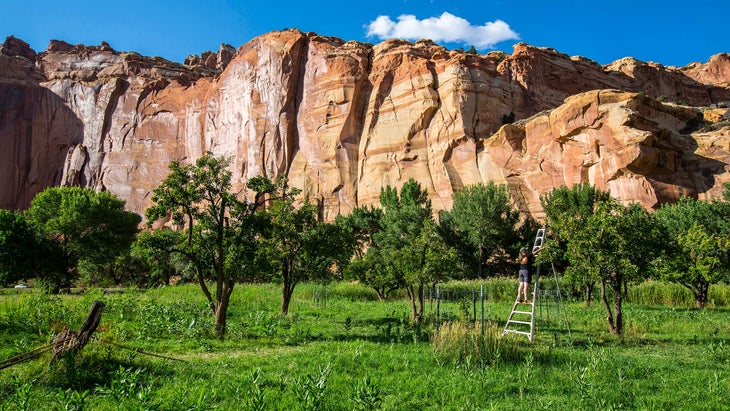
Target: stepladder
(522, 316)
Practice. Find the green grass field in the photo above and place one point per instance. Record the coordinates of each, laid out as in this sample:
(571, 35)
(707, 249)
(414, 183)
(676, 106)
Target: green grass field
(344, 350)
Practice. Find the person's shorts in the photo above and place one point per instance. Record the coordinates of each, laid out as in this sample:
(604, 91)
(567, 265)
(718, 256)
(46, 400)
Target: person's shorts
(525, 276)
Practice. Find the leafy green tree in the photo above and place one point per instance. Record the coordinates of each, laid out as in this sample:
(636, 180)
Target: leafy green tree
(125, 270)
(89, 226)
(613, 248)
(567, 211)
(440, 262)
(373, 269)
(19, 248)
(695, 237)
(602, 241)
(198, 198)
(408, 232)
(368, 266)
(361, 225)
(157, 250)
(625, 247)
(297, 246)
(480, 223)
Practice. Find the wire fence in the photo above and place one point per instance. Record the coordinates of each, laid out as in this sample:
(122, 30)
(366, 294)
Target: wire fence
(471, 304)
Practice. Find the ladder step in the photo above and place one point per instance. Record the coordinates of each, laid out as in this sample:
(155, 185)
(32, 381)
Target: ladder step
(522, 312)
(516, 332)
(520, 322)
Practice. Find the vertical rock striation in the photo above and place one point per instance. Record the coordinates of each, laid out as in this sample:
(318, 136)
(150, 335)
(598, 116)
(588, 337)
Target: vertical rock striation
(344, 119)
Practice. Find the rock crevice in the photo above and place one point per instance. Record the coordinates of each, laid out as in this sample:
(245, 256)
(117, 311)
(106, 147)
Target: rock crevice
(344, 119)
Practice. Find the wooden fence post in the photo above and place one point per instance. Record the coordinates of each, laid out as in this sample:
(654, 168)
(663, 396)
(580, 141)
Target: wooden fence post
(73, 341)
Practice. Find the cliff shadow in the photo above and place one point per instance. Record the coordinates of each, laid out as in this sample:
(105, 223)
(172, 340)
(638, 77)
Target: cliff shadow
(679, 170)
(37, 129)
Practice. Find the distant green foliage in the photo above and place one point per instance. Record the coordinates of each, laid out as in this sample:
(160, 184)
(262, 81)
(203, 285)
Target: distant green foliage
(89, 227)
(19, 248)
(500, 55)
(480, 225)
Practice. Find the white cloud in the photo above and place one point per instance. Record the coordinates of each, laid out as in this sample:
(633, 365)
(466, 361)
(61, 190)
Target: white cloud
(445, 28)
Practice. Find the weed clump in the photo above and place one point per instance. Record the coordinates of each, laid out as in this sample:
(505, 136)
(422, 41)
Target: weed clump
(461, 342)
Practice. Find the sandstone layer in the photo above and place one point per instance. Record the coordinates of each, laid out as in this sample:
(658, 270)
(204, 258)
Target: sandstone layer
(344, 119)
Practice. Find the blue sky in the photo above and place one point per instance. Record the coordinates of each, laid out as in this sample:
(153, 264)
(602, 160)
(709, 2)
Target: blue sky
(667, 32)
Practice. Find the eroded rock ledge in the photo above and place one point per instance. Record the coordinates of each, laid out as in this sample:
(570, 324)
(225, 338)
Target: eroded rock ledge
(343, 119)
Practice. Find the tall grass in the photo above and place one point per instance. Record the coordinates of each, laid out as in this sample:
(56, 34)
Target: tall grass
(672, 294)
(462, 343)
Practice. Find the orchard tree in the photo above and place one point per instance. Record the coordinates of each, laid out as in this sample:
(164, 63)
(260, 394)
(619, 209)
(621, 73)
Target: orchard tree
(157, 250)
(198, 198)
(369, 265)
(613, 247)
(696, 245)
(296, 246)
(602, 242)
(567, 211)
(374, 269)
(480, 223)
(403, 244)
(361, 225)
(88, 226)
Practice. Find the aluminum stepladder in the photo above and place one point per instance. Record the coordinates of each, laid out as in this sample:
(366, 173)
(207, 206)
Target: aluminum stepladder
(520, 321)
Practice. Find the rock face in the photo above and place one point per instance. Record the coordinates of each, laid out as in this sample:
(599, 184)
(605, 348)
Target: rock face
(344, 119)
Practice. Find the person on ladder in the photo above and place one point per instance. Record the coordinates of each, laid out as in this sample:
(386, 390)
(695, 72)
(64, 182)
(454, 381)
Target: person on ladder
(525, 274)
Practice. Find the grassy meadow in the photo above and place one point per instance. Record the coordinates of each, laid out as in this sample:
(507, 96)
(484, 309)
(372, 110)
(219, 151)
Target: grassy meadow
(342, 349)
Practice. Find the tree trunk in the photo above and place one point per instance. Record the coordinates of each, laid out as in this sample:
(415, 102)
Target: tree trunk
(287, 288)
(617, 309)
(412, 298)
(480, 264)
(285, 299)
(700, 294)
(204, 287)
(220, 317)
(420, 302)
(589, 294)
(607, 306)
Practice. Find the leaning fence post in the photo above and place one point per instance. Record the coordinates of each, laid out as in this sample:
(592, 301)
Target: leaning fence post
(73, 341)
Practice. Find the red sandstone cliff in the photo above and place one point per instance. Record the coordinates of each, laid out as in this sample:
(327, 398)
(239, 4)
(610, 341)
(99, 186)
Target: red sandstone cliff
(343, 119)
